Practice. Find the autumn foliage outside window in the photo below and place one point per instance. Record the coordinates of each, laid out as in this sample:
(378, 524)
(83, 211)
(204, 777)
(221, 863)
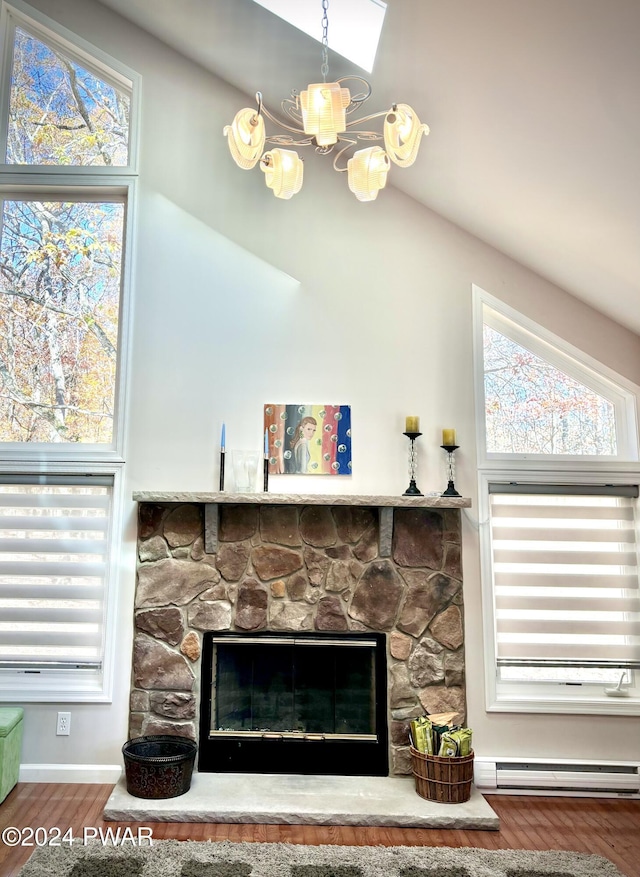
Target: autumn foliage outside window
(62, 114)
(531, 407)
(59, 301)
(61, 257)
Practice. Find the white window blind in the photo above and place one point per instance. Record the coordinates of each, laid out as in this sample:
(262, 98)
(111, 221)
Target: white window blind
(54, 548)
(565, 575)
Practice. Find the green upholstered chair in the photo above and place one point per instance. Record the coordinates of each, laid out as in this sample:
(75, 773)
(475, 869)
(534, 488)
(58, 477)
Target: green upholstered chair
(10, 747)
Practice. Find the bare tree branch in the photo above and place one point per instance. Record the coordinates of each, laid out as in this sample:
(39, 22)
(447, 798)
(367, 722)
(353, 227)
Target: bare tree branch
(82, 109)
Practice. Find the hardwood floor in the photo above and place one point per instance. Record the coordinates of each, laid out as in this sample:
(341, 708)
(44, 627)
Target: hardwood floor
(606, 827)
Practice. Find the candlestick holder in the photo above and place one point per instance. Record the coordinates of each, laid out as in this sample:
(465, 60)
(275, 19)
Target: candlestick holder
(451, 470)
(412, 489)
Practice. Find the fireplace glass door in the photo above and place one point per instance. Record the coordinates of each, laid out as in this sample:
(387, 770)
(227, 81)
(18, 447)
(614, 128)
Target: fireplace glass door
(295, 703)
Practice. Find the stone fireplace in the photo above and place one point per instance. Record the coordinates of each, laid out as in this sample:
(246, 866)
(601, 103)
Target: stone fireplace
(244, 566)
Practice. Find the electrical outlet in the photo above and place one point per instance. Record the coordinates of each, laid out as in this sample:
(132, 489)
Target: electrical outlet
(63, 728)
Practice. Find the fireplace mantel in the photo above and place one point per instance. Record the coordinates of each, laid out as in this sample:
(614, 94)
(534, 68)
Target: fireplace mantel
(399, 502)
(385, 505)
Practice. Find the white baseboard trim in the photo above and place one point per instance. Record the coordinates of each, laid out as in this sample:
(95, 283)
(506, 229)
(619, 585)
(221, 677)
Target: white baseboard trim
(69, 773)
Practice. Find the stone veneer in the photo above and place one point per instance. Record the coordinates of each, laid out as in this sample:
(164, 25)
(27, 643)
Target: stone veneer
(288, 568)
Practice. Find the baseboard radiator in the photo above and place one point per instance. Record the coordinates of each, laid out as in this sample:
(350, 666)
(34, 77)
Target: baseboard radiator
(512, 776)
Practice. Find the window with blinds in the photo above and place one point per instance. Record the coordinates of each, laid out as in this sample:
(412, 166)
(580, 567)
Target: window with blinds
(565, 582)
(54, 560)
(65, 301)
(559, 561)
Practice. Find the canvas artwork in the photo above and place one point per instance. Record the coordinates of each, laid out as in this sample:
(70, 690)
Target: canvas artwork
(309, 439)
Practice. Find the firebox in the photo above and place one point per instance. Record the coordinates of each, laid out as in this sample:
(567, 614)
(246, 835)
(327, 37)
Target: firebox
(306, 703)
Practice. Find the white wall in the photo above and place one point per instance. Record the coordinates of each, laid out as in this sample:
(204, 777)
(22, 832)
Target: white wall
(242, 299)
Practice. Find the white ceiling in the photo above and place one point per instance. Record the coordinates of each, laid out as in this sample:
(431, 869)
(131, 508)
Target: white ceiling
(533, 105)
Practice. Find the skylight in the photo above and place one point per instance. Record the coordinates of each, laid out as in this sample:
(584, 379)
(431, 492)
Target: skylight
(354, 25)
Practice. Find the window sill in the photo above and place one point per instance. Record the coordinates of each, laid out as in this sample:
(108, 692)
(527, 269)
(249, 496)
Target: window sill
(54, 690)
(577, 705)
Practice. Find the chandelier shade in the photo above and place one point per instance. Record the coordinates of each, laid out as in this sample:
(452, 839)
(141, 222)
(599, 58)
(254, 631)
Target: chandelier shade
(283, 170)
(323, 107)
(246, 136)
(322, 116)
(367, 172)
(402, 134)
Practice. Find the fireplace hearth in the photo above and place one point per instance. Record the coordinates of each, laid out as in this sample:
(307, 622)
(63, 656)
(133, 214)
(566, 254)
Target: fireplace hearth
(310, 703)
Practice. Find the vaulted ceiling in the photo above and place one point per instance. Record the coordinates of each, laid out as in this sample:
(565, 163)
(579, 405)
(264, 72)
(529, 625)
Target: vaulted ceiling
(533, 105)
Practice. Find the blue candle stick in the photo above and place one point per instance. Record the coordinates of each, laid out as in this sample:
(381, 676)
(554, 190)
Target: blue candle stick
(222, 456)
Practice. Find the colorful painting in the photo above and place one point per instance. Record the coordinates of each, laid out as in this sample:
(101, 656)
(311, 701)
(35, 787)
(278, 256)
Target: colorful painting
(309, 439)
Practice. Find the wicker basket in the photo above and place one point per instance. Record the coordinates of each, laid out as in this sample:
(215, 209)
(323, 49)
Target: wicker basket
(444, 779)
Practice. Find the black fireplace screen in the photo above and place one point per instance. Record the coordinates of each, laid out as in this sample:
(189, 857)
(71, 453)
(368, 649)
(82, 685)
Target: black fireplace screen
(298, 687)
(294, 703)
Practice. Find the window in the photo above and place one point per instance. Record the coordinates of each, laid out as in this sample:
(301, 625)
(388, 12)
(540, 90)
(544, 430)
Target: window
(68, 142)
(54, 560)
(565, 574)
(60, 113)
(540, 397)
(531, 407)
(65, 104)
(355, 29)
(60, 280)
(68, 119)
(558, 499)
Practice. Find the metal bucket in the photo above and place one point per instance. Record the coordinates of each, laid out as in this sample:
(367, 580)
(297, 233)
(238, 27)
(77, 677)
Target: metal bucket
(159, 766)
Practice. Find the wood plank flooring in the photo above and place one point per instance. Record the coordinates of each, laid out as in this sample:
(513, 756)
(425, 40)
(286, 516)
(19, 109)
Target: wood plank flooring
(604, 826)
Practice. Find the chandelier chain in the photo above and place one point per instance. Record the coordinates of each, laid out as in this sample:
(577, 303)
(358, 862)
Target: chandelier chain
(324, 69)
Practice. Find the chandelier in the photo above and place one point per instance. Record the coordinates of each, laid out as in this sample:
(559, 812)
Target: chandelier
(320, 117)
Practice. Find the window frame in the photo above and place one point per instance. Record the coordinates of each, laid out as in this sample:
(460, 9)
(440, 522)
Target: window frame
(543, 697)
(87, 182)
(16, 13)
(565, 357)
(92, 188)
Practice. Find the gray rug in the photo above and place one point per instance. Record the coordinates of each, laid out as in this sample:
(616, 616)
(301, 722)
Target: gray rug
(170, 858)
